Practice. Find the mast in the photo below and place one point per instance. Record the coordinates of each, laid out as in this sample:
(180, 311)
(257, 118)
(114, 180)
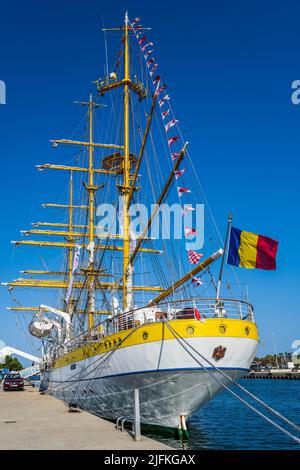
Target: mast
(70, 227)
(128, 185)
(126, 174)
(91, 193)
(70, 257)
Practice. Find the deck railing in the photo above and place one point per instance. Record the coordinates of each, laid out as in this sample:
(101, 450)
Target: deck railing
(199, 308)
(180, 310)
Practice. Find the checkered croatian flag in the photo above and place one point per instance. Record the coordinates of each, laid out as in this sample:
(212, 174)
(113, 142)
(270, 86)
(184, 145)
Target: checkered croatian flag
(194, 257)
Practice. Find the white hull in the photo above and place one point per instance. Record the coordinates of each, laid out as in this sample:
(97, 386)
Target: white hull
(171, 383)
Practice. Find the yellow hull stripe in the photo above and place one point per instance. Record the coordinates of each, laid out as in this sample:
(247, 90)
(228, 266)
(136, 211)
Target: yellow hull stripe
(248, 249)
(190, 328)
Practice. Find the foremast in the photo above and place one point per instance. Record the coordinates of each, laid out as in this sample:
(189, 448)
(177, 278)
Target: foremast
(91, 188)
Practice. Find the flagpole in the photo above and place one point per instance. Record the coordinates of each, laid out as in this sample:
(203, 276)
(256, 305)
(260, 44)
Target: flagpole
(275, 351)
(224, 254)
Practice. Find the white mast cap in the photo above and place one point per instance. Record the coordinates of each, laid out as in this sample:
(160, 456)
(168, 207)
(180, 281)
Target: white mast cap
(126, 19)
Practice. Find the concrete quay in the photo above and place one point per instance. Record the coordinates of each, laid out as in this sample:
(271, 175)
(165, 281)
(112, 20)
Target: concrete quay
(274, 374)
(33, 421)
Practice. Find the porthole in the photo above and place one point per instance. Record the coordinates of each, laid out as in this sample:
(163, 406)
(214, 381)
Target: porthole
(145, 335)
(247, 331)
(222, 329)
(190, 330)
(120, 341)
(115, 342)
(109, 344)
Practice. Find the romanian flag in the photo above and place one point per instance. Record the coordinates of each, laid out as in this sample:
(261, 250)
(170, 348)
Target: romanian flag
(249, 250)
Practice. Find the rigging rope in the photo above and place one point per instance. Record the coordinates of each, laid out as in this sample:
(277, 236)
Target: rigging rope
(178, 337)
(105, 358)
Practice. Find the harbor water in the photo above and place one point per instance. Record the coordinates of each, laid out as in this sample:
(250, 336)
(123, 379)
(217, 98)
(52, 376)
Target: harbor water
(225, 423)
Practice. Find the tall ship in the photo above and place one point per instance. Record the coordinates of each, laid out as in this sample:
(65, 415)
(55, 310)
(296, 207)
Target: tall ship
(127, 295)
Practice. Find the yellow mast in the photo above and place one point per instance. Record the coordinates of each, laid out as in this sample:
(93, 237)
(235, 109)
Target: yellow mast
(127, 188)
(91, 187)
(91, 192)
(70, 253)
(126, 182)
(70, 267)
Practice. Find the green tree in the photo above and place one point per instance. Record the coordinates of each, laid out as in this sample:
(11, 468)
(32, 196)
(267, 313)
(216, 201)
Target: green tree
(268, 360)
(12, 363)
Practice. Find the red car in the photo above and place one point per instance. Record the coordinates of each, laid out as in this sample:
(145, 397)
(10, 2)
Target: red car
(13, 382)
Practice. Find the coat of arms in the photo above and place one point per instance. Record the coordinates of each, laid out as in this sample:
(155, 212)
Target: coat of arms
(219, 353)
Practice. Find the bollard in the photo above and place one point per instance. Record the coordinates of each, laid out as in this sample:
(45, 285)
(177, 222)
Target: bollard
(137, 419)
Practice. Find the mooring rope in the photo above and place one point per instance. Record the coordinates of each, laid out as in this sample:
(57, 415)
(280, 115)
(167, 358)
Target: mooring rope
(279, 415)
(178, 337)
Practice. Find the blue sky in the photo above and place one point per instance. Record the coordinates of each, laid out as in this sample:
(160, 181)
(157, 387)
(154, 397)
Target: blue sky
(229, 66)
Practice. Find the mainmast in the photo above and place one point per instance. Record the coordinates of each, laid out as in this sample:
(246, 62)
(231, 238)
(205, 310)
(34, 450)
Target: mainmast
(126, 174)
(91, 188)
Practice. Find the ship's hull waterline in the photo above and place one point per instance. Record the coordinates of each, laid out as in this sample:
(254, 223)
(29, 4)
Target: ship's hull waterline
(170, 381)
